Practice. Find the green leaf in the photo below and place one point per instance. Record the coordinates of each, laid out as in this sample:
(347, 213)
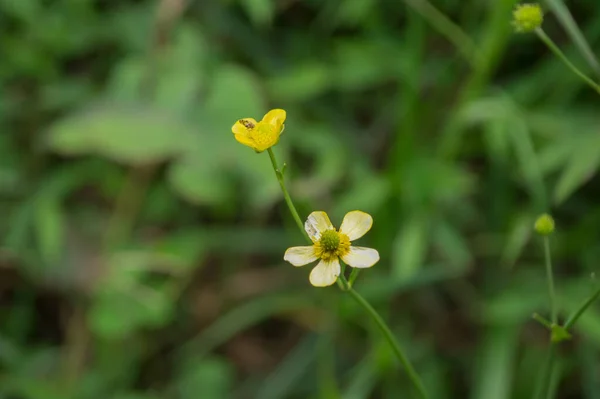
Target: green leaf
(118, 312)
(235, 93)
(129, 134)
(496, 366)
(301, 82)
(260, 11)
(517, 237)
(583, 163)
(410, 247)
(354, 68)
(49, 229)
(136, 395)
(212, 377)
(197, 179)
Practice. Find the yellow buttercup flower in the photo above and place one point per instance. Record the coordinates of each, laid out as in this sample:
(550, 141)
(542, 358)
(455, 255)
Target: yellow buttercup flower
(261, 135)
(330, 245)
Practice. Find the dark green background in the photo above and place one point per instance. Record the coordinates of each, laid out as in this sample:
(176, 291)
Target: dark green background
(141, 246)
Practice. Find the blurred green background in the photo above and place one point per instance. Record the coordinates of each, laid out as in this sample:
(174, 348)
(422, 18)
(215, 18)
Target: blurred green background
(141, 246)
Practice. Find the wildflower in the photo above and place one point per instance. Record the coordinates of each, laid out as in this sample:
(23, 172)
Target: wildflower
(330, 245)
(544, 225)
(527, 17)
(260, 135)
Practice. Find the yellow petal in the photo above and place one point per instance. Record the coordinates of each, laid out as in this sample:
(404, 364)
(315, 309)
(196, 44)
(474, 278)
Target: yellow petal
(243, 126)
(264, 136)
(356, 224)
(361, 257)
(245, 140)
(317, 223)
(275, 117)
(325, 273)
(300, 256)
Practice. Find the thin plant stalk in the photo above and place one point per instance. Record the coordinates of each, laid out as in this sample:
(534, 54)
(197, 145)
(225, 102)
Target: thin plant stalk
(550, 278)
(565, 18)
(545, 386)
(286, 195)
(544, 390)
(389, 336)
(345, 286)
(558, 52)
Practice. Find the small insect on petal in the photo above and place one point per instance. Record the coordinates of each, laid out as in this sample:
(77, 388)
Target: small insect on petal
(248, 124)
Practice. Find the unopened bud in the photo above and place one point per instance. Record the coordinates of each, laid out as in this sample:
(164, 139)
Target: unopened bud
(527, 17)
(544, 225)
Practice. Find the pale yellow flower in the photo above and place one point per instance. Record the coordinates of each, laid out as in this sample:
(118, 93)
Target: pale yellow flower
(261, 135)
(330, 245)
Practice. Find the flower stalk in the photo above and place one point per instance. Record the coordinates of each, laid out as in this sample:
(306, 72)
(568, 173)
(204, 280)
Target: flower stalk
(286, 195)
(346, 286)
(550, 278)
(558, 52)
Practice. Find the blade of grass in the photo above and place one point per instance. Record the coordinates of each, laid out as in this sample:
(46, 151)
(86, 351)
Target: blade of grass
(566, 20)
(588, 357)
(280, 383)
(242, 317)
(495, 372)
(446, 27)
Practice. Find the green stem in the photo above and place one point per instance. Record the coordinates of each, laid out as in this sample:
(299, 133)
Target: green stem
(550, 278)
(389, 336)
(540, 319)
(127, 206)
(545, 387)
(446, 27)
(546, 39)
(353, 275)
(286, 195)
(571, 321)
(345, 286)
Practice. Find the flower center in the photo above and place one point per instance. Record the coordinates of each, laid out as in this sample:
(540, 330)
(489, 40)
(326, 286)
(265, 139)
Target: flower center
(264, 135)
(330, 240)
(332, 244)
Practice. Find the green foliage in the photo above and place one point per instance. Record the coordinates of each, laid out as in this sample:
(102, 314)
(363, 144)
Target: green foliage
(141, 246)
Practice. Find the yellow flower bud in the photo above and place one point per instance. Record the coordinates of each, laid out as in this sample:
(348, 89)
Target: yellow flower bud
(527, 17)
(544, 225)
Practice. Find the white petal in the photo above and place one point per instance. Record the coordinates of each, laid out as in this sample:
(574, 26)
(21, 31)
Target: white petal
(356, 224)
(361, 257)
(300, 256)
(317, 223)
(325, 273)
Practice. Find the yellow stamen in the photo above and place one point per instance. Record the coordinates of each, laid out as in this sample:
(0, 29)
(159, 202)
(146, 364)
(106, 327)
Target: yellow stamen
(332, 244)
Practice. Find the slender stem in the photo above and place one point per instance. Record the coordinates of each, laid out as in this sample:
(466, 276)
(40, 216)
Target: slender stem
(565, 18)
(345, 286)
(127, 205)
(353, 275)
(545, 387)
(540, 319)
(546, 39)
(286, 195)
(569, 323)
(78, 339)
(550, 278)
(389, 336)
(446, 27)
